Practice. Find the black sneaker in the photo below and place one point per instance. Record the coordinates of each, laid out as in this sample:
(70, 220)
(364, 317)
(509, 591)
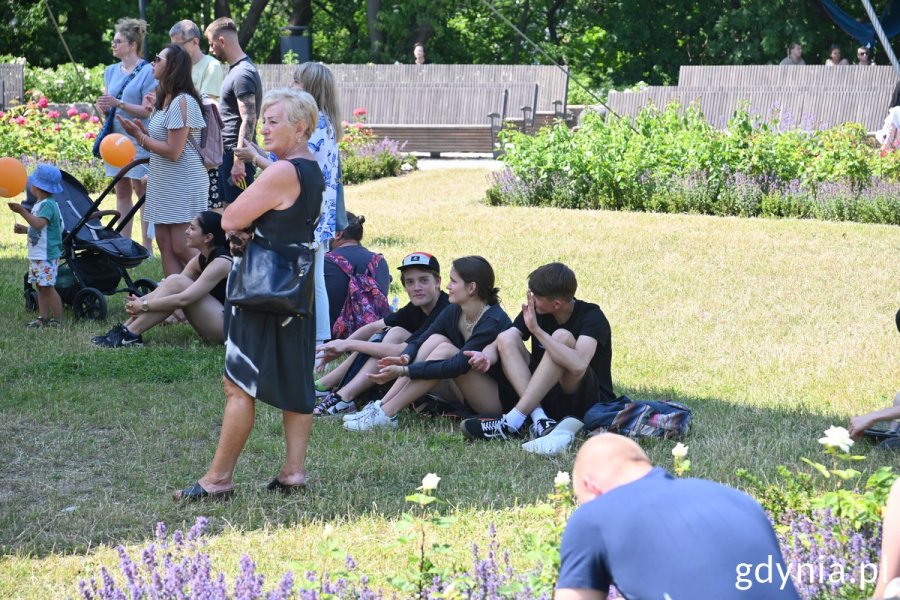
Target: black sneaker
(120, 337)
(541, 427)
(98, 338)
(485, 428)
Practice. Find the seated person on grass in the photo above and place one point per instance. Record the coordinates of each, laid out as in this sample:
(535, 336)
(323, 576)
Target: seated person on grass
(421, 276)
(858, 425)
(472, 321)
(348, 257)
(568, 370)
(199, 290)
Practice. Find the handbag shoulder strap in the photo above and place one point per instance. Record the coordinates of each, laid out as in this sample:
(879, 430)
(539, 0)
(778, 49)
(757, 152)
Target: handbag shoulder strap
(310, 222)
(131, 77)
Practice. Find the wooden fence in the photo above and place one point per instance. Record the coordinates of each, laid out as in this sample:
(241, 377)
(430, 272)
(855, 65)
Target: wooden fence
(809, 96)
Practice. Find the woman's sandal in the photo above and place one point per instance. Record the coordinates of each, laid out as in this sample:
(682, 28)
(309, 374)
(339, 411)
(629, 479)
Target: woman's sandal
(276, 486)
(196, 492)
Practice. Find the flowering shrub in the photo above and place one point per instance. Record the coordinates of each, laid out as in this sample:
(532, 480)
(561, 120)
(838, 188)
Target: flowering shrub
(831, 540)
(365, 157)
(671, 162)
(33, 133)
(177, 566)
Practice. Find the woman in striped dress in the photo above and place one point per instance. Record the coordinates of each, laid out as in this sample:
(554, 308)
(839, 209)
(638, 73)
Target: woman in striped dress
(177, 183)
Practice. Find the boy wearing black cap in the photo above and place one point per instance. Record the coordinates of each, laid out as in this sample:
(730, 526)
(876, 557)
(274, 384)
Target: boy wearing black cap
(44, 242)
(421, 277)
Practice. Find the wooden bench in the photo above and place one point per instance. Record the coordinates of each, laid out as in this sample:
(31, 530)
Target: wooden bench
(811, 96)
(443, 108)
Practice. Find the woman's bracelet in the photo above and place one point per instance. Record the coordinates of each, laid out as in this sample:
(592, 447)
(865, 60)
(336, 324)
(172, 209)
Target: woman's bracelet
(142, 139)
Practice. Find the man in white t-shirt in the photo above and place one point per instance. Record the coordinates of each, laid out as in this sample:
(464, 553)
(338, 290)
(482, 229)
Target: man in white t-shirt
(207, 71)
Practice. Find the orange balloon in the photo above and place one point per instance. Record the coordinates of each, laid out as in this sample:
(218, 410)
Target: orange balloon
(117, 150)
(13, 177)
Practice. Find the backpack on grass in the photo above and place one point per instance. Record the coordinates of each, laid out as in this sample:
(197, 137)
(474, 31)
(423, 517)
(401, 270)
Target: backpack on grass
(642, 418)
(365, 302)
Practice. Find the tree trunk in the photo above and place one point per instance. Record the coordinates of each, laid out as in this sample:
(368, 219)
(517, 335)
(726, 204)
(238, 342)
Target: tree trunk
(523, 25)
(221, 9)
(376, 37)
(302, 13)
(248, 27)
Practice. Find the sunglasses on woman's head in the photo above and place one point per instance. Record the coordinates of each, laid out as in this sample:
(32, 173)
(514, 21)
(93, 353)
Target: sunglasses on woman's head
(157, 58)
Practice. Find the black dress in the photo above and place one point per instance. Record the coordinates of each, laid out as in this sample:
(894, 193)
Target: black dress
(271, 357)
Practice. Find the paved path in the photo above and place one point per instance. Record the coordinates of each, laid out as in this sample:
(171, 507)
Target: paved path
(459, 161)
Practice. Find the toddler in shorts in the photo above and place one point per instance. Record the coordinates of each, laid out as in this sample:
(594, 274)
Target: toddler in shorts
(44, 231)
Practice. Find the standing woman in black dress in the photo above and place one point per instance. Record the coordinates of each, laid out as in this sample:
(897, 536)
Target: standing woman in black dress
(269, 357)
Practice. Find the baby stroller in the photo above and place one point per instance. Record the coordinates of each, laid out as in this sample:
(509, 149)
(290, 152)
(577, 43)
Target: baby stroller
(95, 258)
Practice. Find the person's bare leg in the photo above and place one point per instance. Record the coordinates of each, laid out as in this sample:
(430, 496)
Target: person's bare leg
(548, 374)
(361, 382)
(336, 375)
(406, 391)
(124, 203)
(140, 189)
(480, 392)
(514, 359)
(171, 264)
(49, 302)
(206, 317)
(297, 429)
(237, 423)
(167, 287)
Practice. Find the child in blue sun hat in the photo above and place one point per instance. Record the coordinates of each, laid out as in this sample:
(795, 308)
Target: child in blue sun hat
(44, 232)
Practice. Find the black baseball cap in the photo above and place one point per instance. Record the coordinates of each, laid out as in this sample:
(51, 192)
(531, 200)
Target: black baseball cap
(421, 260)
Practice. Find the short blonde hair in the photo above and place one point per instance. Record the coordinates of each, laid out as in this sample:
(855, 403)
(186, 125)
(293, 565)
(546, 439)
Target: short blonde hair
(298, 106)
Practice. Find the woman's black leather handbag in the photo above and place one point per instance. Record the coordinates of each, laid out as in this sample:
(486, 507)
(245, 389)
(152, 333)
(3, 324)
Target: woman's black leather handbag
(276, 280)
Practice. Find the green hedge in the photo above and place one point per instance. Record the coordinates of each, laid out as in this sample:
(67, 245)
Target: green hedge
(674, 161)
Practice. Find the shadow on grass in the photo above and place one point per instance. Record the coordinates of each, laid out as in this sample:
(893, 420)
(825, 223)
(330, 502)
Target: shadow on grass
(94, 442)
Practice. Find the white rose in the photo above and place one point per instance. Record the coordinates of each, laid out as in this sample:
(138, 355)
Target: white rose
(680, 450)
(562, 479)
(837, 437)
(430, 482)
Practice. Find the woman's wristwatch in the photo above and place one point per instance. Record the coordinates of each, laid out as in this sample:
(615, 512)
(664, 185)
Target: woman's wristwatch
(145, 306)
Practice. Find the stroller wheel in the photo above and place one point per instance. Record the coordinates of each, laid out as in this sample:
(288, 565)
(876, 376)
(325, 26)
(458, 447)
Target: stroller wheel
(89, 303)
(30, 299)
(144, 286)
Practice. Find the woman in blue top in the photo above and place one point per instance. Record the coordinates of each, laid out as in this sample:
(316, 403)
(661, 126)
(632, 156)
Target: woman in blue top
(126, 84)
(472, 321)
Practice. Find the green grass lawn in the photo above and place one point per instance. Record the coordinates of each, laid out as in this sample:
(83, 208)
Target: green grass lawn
(770, 331)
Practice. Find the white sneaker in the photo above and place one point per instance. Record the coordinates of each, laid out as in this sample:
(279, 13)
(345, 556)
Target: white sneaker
(373, 419)
(361, 412)
(557, 441)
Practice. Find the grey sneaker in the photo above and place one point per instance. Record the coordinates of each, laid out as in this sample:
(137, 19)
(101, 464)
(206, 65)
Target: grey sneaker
(373, 419)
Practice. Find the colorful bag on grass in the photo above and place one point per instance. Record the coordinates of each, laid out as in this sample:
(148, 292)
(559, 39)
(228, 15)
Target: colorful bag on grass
(642, 418)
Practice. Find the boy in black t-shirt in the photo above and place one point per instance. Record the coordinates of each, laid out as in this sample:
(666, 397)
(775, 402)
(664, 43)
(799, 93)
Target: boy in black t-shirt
(568, 369)
(421, 276)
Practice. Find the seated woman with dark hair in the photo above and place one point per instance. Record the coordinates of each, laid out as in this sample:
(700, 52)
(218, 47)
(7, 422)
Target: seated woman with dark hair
(199, 290)
(473, 320)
